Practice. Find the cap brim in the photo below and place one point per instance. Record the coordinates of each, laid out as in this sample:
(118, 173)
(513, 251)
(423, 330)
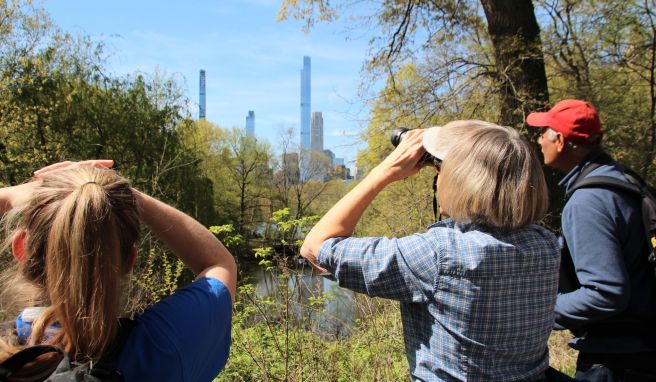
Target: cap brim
(436, 143)
(538, 120)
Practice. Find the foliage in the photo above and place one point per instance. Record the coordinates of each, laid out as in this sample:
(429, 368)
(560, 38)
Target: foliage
(604, 52)
(289, 228)
(438, 61)
(487, 47)
(248, 174)
(159, 277)
(208, 141)
(276, 350)
(226, 233)
(57, 103)
(299, 189)
(278, 333)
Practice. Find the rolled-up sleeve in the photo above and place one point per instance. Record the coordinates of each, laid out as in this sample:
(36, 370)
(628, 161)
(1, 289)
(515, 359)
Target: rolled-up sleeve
(402, 269)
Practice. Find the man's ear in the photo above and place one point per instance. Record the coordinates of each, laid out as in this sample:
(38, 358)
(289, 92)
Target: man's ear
(560, 142)
(18, 245)
(129, 263)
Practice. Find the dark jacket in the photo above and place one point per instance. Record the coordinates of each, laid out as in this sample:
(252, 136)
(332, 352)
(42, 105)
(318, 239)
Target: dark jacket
(614, 310)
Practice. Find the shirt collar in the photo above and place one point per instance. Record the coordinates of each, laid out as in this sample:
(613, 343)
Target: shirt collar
(569, 179)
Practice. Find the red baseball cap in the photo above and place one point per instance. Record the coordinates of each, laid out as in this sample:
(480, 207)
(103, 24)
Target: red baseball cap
(576, 120)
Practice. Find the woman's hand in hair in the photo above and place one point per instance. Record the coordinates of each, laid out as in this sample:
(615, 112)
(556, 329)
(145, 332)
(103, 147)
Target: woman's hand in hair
(404, 160)
(15, 196)
(106, 163)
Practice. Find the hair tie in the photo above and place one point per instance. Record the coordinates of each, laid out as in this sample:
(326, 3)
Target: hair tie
(89, 182)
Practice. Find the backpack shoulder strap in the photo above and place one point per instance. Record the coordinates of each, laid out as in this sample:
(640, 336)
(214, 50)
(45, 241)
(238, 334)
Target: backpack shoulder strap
(606, 182)
(14, 363)
(597, 162)
(104, 368)
(635, 185)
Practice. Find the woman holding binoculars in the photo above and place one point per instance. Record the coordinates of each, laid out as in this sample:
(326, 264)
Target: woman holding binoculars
(477, 290)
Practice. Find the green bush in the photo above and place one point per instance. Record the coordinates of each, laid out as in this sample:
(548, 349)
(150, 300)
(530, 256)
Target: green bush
(271, 343)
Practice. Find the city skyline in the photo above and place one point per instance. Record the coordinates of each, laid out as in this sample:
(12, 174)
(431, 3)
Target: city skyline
(251, 60)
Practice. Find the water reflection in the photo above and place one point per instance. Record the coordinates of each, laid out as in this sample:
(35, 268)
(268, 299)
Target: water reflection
(338, 314)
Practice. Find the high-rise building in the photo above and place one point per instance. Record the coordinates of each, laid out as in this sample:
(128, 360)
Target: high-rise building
(250, 123)
(316, 131)
(305, 103)
(330, 156)
(201, 96)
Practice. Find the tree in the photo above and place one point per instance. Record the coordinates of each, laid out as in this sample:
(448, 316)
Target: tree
(521, 75)
(514, 64)
(605, 52)
(249, 171)
(463, 67)
(299, 188)
(56, 103)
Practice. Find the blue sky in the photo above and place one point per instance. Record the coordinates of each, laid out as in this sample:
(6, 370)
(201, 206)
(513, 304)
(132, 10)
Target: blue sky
(252, 61)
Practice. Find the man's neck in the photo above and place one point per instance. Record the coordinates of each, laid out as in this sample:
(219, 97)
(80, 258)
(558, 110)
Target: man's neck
(571, 157)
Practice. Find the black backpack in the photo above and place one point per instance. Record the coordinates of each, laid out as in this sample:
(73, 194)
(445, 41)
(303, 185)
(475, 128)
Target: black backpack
(100, 371)
(635, 185)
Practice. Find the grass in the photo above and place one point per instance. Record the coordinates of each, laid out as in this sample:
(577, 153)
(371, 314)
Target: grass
(561, 356)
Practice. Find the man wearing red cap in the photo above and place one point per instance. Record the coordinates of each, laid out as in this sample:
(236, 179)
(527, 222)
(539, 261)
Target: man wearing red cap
(610, 303)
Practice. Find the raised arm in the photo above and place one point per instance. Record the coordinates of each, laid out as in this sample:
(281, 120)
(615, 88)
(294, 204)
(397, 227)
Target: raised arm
(194, 244)
(342, 218)
(14, 196)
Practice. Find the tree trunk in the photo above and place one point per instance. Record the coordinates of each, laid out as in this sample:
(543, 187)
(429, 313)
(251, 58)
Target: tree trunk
(521, 76)
(515, 36)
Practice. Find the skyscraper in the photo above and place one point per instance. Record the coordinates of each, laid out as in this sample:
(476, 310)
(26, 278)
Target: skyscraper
(250, 123)
(305, 103)
(316, 131)
(201, 96)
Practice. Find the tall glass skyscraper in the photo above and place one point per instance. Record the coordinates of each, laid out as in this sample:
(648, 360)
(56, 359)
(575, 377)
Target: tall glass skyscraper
(250, 123)
(305, 103)
(316, 131)
(201, 95)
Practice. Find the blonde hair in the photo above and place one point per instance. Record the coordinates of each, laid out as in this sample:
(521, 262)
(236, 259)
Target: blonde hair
(491, 176)
(81, 224)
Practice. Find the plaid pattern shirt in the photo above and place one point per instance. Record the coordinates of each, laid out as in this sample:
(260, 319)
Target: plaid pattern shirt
(477, 304)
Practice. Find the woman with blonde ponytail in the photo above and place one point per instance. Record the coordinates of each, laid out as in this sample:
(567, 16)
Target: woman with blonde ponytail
(72, 232)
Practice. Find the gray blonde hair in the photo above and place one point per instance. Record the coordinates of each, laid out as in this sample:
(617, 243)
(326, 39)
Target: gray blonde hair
(491, 176)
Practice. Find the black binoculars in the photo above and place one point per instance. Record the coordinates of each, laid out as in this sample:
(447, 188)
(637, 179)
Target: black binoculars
(397, 137)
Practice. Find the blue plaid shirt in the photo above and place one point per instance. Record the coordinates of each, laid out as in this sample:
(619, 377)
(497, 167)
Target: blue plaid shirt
(477, 304)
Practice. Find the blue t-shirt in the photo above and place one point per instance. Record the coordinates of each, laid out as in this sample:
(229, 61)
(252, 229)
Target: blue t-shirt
(185, 337)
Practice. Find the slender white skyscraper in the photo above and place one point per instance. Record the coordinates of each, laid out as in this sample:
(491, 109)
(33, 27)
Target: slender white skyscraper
(250, 122)
(305, 103)
(201, 96)
(316, 131)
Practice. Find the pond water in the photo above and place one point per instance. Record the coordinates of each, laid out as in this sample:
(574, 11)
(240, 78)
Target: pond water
(338, 314)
